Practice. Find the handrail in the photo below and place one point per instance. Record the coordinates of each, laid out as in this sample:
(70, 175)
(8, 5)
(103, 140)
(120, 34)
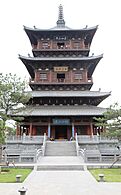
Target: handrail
(44, 145)
(38, 154)
(77, 145)
(80, 151)
(82, 154)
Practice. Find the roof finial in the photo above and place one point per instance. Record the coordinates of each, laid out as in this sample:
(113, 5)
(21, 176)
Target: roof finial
(60, 21)
(60, 16)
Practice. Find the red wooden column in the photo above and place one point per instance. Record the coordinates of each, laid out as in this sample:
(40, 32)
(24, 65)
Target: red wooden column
(50, 76)
(30, 129)
(17, 130)
(71, 74)
(91, 129)
(51, 44)
(34, 131)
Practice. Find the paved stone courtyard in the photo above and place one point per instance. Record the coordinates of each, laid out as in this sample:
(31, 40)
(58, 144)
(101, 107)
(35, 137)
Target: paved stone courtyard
(61, 182)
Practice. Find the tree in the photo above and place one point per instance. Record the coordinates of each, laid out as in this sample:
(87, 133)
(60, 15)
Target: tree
(13, 97)
(10, 130)
(1, 132)
(12, 93)
(111, 121)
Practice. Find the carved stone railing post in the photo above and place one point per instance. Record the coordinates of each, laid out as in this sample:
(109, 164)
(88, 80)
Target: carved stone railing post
(44, 145)
(77, 145)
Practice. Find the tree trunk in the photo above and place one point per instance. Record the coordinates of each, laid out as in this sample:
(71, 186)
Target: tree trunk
(0, 153)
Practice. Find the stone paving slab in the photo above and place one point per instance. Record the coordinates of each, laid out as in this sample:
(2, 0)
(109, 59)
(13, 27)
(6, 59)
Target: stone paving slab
(62, 183)
(69, 182)
(9, 188)
(69, 160)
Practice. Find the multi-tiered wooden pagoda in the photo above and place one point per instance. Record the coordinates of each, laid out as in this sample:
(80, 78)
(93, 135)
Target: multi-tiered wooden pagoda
(61, 72)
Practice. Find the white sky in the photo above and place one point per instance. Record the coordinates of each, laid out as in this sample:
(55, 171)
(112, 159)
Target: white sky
(77, 14)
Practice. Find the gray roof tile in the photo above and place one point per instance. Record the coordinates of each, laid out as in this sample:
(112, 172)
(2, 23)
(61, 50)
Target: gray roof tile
(84, 110)
(68, 93)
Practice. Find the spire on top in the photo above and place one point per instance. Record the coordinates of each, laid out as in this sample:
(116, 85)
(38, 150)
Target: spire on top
(60, 16)
(60, 22)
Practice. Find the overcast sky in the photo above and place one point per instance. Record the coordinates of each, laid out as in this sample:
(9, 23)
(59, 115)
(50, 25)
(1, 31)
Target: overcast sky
(77, 14)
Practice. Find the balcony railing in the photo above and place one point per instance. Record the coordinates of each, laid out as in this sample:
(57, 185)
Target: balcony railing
(24, 139)
(89, 81)
(39, 139)
(66, 48)
(95, 139)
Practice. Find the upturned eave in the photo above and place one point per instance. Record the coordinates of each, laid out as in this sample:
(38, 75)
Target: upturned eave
(61, 111)
(33, 63)
(35, 33)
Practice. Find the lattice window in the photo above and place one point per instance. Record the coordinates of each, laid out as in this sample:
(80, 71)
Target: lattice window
(76, 44)
(43, 76)
(45, 45)
(78, 76)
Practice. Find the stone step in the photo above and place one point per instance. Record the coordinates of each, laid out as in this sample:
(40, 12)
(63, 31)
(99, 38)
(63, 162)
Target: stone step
(55, 145)
(61, 148)
(60, 154)
(60, 167)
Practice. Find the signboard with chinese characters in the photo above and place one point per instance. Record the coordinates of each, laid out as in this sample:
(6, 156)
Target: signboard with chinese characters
(61, 121)
(61, 69)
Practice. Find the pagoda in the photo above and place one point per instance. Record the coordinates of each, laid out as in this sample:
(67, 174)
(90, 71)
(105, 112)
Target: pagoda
(61, 70)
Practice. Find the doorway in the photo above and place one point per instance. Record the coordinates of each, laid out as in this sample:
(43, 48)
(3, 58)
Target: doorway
(61, 132)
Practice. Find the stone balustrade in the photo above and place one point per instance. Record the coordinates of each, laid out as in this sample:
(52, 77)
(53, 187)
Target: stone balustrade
(24, 139)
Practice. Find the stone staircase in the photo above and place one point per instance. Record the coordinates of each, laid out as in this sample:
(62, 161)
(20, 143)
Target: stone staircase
(60, 163)
(60, 156)
(60, 148)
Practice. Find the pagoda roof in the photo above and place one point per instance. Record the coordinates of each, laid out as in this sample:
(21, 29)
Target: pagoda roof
(69, 94)
(35, 33)
(33, 63)
(93, 97)
(61, 111)
(61, 29)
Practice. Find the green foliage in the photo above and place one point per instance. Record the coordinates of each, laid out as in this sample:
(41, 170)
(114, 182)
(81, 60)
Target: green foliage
(111, 121)
(8, 175)
(10, 130)
(2, 133)
(12, 93)
(13, 97)
(110, 175)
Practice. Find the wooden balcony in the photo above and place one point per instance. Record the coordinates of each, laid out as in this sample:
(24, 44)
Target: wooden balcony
(86, 48)
(57, 81)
